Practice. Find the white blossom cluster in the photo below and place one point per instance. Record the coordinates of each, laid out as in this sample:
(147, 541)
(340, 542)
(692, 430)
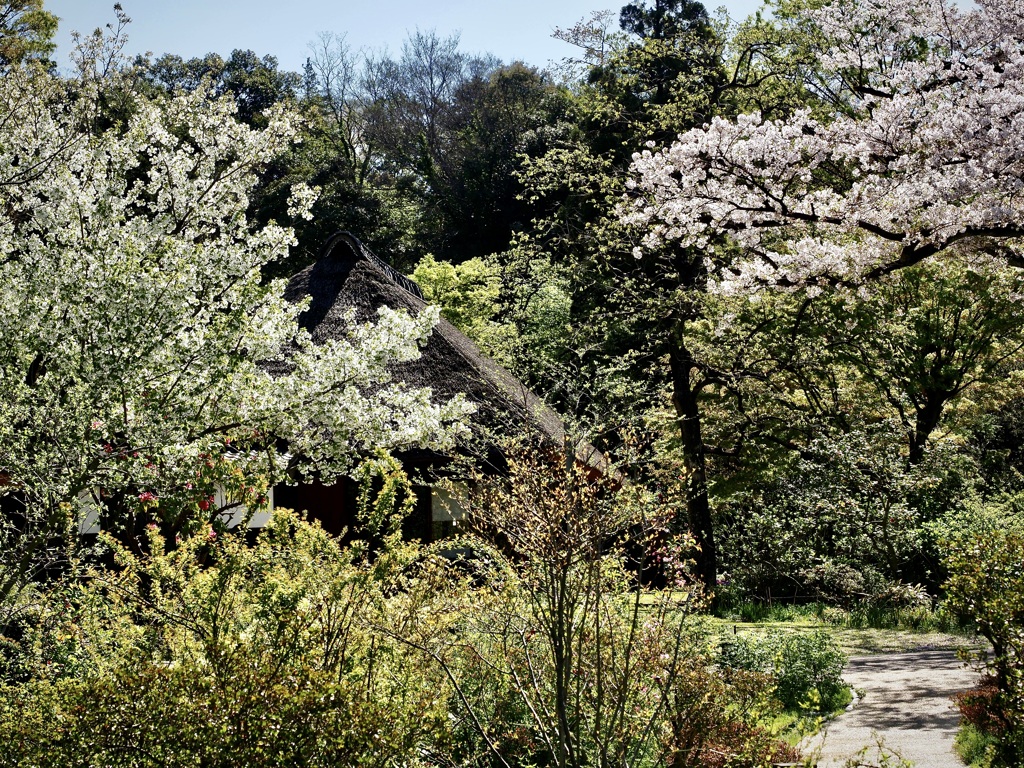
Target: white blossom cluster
(137, 327)
(931, 145)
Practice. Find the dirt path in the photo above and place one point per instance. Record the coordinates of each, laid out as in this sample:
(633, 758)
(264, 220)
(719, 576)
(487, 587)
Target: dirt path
(905, 704)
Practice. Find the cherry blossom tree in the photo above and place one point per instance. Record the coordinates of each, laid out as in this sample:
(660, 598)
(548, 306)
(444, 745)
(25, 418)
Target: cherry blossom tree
(906, 151)
(921, 156)
(144, 358)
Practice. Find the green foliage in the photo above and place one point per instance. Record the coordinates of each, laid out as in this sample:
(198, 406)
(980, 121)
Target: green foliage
(896, 606)
(986, 585)
(154, 716)
(632, 349)
(846, 521)
(982, 725)
(299, 650)
(26, 32)
(586, 656)
(912, 612)
(219, 653)
(449, 130)
(467, 294)
(997, 436)
(974, 746)
(805, 667)
(877, 399)
(385, 497)
(470, 295)
(720, 719)
(668, 76)
(165, 379)
(929, 335)
(254, 83)
(565, 659)
(759, 611)
(847, 438)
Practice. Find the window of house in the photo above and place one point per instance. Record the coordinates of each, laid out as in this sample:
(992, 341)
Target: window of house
(88, 514)
(447, 508)
(233, 516)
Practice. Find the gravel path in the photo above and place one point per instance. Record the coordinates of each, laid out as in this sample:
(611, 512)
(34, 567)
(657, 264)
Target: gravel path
(905, 704)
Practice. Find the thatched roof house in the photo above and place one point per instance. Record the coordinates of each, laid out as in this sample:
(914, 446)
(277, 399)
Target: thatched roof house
(348, 277)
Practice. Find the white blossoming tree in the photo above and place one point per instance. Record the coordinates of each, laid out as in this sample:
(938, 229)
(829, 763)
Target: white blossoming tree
(921, 157)
(138, 334)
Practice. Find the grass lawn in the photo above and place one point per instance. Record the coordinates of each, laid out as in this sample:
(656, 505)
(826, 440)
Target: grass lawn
(860, 641)
(857, 633)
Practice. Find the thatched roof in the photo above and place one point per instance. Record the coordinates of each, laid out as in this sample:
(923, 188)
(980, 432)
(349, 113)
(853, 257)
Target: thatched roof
(347, 277)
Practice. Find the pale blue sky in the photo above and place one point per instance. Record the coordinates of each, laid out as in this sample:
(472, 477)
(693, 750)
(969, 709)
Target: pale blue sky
(284, 28)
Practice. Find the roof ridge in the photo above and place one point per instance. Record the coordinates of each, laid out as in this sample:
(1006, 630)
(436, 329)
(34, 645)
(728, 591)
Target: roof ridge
(406, 283)
(507, 386)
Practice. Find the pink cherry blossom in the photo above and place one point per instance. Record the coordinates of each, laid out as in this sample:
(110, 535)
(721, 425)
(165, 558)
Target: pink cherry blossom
(931, 142)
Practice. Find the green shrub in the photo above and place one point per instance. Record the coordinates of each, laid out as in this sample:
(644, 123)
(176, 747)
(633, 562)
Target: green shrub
(563, 660)
(759, 611)
(222, 654)
(981, 724)
(974, 746)
(298, 650)
(805, 667)
(986, 586)
(148, 716)
(810, 664)
(716, 718)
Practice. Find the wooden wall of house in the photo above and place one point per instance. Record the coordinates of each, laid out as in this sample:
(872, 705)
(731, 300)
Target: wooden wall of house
(334, 506)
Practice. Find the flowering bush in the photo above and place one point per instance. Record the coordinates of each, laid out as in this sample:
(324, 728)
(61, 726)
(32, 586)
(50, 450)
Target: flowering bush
(136, 357)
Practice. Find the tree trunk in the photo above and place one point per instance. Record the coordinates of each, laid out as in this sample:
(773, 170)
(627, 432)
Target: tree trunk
(926, 421)
(698, 508)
